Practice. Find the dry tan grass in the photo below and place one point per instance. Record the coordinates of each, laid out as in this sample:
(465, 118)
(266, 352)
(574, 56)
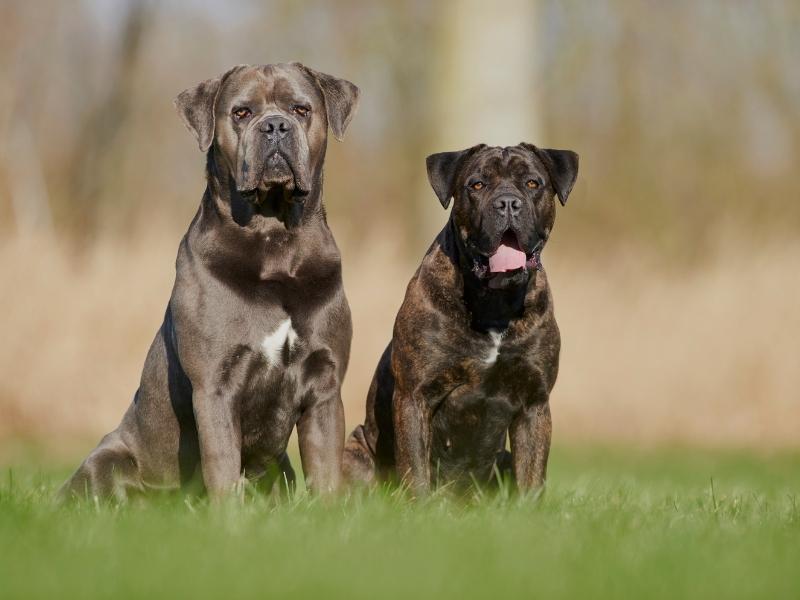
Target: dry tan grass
(701, 355)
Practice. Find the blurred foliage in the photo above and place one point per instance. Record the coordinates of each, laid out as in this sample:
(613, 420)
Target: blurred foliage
(686, 115)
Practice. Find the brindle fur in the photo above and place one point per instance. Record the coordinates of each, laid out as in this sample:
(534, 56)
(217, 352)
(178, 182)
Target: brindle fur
(443, 398)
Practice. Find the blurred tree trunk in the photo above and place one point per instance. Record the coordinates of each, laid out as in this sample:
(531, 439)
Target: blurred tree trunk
(24, 61)
(484, 91)
(94, 162)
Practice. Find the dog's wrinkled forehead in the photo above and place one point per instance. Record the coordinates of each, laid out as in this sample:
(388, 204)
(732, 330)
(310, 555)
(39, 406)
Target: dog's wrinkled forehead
(280, 85)
(495, 162)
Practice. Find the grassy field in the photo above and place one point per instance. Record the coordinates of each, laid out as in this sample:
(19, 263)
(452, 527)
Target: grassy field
(612, 524)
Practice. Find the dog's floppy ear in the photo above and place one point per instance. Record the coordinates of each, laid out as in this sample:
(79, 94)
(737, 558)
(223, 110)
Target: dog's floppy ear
(197, 106)
(341, 100)
(442, 171)
(561, 165)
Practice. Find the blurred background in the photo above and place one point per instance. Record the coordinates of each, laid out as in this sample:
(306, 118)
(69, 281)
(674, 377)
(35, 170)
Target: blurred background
(674, 265)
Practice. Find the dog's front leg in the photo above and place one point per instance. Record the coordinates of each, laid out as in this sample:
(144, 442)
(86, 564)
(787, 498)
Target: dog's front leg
(320, 433)
(530, 434)
(412, 442)
(219, 434)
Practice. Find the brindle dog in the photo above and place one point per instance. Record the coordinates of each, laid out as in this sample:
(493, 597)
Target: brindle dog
(475, 349)
(256, 336)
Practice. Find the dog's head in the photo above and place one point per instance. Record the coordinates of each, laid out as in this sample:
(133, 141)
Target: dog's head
(504, 204)
(268, 124)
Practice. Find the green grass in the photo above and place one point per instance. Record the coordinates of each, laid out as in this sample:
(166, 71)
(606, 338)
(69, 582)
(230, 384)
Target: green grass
(612, 524)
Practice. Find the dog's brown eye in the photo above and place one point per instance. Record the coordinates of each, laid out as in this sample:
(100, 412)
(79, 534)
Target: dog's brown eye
(532, 184)
(242, 113)
(301, 110)
(478, 185)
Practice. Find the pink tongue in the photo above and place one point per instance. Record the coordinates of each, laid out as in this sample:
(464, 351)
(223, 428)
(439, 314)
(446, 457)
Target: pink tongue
(506, 259)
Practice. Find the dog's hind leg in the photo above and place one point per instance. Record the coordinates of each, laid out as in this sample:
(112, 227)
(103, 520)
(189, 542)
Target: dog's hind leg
(358, 462)
(287, 481)
(279, 479)
(503, 468)
(369, 451)
(109, 472)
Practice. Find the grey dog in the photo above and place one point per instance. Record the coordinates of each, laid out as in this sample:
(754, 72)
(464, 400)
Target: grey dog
(256, 335)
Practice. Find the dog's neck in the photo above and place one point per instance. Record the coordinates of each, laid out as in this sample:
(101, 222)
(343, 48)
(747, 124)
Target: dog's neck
(489, 309)
(272, 211)
(289, 243)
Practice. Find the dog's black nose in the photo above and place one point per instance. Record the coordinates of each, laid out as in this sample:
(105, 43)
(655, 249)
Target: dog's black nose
(276, 128)
(507, 205)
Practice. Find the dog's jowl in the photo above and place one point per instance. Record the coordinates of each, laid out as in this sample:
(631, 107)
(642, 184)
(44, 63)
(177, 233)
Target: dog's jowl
(475, 348)
(256, 335)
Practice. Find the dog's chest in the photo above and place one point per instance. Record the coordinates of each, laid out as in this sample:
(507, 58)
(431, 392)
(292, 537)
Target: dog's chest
(489, 354)
(481, 399)
(276, 345)
(491, 358)
(275, 353)
(488, 374)
(266, 384)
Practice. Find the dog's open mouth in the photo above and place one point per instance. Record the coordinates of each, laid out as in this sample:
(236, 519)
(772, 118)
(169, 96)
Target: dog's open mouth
(508, 256)
(508, 263)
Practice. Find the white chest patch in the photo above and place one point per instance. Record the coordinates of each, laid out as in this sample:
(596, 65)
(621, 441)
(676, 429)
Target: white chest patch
(275, 342)
(497, 339)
